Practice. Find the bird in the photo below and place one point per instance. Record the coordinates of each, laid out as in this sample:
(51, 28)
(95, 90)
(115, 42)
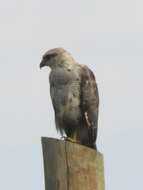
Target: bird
(75, 97)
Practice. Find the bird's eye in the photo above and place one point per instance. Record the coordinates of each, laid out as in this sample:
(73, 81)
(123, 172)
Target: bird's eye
(48, 57)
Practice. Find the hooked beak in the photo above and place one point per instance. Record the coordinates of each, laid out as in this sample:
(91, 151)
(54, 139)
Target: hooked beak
(42, 64)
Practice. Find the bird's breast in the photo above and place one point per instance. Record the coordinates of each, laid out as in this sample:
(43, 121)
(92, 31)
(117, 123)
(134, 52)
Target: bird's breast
(65, 90)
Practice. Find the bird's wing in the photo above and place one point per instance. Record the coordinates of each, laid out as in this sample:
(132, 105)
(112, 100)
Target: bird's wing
(89, 102)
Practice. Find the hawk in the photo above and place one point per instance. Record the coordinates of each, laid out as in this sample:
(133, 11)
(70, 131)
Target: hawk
(74, 95)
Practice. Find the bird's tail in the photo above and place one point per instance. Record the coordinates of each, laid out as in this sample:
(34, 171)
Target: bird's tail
(92, 136)
(87, 137)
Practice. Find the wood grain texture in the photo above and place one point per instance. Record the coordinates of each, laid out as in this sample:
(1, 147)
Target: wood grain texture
(69, 166)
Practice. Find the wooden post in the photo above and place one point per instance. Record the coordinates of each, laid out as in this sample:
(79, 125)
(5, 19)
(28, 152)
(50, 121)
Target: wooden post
(70, 166)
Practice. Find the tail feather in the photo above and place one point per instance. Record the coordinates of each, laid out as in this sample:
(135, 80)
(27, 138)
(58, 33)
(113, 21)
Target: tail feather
(92, 134)
(87, 136)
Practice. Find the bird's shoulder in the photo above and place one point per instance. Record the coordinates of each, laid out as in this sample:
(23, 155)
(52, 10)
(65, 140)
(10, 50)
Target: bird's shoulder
(89, 88)
(64, 75)
(87, 75)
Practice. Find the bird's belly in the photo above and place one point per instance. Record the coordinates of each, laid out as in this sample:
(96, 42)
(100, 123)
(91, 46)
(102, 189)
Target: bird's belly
(66, 101)
(69, 117)
(67, 106)
(66, 97)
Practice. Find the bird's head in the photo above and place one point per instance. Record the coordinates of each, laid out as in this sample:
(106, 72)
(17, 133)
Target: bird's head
(57, 57)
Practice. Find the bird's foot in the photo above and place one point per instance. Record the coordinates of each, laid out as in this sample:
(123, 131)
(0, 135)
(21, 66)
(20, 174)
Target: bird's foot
(73, 140)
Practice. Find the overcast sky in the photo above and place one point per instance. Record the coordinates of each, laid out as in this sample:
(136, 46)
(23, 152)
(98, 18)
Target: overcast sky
(107, 35)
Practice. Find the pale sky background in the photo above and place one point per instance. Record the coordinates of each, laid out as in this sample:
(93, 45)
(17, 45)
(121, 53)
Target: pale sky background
(107, 35)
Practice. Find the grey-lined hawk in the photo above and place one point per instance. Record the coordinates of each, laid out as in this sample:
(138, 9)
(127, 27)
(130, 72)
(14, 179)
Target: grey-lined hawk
(74, 95)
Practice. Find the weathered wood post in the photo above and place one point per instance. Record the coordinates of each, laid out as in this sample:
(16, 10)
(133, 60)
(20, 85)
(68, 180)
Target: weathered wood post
(69, 166)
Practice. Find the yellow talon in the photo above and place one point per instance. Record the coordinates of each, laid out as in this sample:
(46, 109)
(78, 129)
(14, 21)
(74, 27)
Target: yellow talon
(73, 140)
